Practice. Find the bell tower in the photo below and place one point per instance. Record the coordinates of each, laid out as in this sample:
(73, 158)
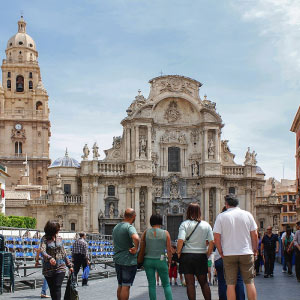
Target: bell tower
(24, 112)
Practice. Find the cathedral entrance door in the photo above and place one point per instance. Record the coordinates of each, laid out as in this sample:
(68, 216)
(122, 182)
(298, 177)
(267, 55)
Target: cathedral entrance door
(173, 223)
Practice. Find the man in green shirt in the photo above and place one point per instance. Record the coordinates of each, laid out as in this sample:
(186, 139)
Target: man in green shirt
(126, 243)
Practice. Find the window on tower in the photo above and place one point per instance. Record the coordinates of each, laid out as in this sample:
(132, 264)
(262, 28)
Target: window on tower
(18, 148)
(30, 85)
(20, 83)
(39, 105)
(30, 74)
(8, 74)
(173, 159)
(8, 84)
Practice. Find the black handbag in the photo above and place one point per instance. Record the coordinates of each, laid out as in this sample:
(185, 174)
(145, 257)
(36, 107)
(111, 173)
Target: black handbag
(71, 292)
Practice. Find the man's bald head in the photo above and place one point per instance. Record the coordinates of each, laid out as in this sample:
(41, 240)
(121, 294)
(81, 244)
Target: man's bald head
(129, 214)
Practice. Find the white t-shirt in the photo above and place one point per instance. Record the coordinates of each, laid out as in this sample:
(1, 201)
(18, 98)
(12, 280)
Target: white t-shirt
(235, 225)
(197, 242)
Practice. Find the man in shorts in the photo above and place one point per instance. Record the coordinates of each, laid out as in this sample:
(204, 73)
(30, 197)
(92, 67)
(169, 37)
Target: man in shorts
(235, 234)
(126, 244)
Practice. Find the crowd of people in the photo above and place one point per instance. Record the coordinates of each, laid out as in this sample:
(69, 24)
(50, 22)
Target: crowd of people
(238, 256)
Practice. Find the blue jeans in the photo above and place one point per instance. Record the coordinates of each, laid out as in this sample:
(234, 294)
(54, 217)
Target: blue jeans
(222, 287)
(44, 287)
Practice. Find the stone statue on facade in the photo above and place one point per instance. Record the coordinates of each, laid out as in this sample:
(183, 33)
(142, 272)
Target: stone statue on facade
(211, 148)
(182, 139)
(248, 157)
(86, 152)
(122, 214)
(111, 211)
(58, 184)
(142, 198)
(253, 158)
(95, 151)
(143, 147)
(100, 215)
(273, 191)
(195, 169)
(142, 215)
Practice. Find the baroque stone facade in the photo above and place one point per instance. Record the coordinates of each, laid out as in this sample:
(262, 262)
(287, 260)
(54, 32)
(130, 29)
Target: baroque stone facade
(170, 154)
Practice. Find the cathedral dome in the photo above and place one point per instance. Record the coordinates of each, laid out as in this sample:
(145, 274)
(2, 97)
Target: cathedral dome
(65, 161)
(21, 38)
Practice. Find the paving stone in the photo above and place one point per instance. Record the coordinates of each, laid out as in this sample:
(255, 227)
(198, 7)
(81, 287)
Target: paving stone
(277, 288)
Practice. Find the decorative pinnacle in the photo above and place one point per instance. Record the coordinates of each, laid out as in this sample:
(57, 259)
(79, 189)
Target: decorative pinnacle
(139, 91)
(205, 97)
(66, 154)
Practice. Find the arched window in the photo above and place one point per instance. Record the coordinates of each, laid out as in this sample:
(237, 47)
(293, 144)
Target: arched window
(30, 85)
(73, 227)
(39, 105)
(173, 159)
(111, 190)
(20, 83)
(8, 84)
(231, 190)
(18, 148)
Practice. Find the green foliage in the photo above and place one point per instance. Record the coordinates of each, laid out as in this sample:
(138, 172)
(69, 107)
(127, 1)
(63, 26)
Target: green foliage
(18, 222)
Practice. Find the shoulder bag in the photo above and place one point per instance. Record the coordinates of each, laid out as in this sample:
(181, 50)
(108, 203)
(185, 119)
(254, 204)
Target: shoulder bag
(187, 239)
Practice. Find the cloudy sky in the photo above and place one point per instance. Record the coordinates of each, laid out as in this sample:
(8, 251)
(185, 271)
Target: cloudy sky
(95, 55)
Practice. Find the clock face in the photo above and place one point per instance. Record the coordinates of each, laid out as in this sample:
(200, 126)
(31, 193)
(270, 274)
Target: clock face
(18, 126)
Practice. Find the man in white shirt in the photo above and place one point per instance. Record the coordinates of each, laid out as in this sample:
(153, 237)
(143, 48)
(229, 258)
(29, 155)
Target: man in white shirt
(235, 233)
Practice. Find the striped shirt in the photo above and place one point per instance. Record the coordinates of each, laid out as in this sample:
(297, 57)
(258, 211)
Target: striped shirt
(54, 249)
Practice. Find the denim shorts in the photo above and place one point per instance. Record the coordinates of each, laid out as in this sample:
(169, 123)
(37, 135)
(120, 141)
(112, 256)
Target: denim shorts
(125, 274)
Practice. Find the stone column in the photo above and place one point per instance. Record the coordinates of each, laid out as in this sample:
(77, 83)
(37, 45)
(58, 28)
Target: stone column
(137, 146)
(137, 208)
(248, 200)
(217, 149)
(94, 209)
(205, 145)
(218, 201)
(149, 142)
(128, 146)
(149, 206)
(128, 198)
(206, 204)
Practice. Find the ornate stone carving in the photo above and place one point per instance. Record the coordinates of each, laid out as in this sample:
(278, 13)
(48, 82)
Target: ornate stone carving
(143, 147)
(211, 148)
(176, 85)
(208, 104)
(18, 134)
(273, 191)
(122, 214)
(86, 152)
(116, 142)
(250, 158)
(100, 215)
(95, 151)
(194, 136)
(172, 114)
(174, 188)
(58, 184)
(154, 158)
(111, 211)
(173, 137)
(195, 168)
(136, 104)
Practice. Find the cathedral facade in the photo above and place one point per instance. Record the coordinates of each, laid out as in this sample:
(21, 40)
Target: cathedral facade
(170, 154)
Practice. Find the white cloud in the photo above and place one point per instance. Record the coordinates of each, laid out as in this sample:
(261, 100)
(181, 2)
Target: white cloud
(279, 21)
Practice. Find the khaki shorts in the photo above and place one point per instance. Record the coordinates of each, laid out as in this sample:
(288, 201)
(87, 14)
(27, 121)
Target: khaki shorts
(233, 263)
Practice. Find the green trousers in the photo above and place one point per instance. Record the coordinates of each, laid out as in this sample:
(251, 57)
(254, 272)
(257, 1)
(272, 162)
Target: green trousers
(161, 266)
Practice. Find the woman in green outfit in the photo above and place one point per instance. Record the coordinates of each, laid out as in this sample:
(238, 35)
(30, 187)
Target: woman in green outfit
(156, 241)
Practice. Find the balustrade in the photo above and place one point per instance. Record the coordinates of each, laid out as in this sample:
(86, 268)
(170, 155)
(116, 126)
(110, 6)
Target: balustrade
(235, 171)
(72, 198)
(111, 168)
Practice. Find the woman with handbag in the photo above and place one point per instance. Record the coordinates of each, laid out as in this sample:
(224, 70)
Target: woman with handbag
(154, 243)
(192, 251)
(54, 259)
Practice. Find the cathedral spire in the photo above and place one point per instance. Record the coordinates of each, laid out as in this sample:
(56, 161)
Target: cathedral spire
(22, 25)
